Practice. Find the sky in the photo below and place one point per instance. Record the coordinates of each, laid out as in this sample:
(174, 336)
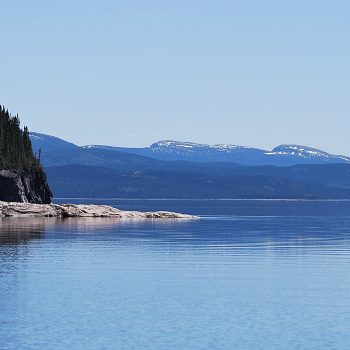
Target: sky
(129, 73)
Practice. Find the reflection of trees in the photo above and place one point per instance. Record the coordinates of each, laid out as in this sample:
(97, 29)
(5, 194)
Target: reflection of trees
(15, 236)
(21, 230)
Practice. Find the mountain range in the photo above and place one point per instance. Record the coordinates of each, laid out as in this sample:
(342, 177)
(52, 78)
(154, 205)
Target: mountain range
(283, 155)
(171, 169)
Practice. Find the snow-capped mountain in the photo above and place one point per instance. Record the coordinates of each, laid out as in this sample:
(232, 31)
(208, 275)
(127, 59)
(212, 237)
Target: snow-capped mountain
(280, 155)
(306, 153)
(169, 150)
(192, 145)
(283, 155)
(209, 171)
(174, 150)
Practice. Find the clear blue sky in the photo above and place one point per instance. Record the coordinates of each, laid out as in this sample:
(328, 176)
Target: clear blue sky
(129, 73)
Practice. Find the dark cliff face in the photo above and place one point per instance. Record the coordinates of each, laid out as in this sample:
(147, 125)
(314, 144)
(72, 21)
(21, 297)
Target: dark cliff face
(24, 186)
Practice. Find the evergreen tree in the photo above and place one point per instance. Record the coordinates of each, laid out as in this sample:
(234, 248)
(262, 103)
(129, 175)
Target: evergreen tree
(16, 151)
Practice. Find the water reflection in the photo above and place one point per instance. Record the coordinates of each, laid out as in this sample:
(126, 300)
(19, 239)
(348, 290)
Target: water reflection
(239, 281)
(21, 230)
(215, 232)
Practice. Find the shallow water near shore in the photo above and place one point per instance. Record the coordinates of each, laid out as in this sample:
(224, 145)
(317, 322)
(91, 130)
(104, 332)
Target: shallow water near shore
(247, 275)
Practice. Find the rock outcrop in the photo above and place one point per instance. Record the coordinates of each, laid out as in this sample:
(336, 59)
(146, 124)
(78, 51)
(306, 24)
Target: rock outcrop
(28, 186)
(12, 209)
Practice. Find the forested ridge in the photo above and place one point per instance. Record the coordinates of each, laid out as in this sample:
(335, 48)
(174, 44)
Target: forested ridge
(16, 151)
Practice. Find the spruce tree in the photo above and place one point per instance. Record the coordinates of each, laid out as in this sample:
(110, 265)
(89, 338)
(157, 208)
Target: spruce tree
(16, 151)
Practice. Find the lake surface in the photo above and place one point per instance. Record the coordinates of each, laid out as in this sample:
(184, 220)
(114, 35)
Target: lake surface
(247, 275)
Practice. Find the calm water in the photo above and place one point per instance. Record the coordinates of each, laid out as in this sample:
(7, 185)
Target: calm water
(247, 275)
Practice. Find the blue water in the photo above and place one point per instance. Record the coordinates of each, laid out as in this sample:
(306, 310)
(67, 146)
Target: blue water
(247, 275)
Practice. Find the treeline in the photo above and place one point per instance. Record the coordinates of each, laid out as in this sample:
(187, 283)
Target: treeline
(15, 146)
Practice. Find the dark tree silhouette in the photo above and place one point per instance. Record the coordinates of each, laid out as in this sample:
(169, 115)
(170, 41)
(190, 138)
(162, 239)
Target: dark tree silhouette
(16, 151)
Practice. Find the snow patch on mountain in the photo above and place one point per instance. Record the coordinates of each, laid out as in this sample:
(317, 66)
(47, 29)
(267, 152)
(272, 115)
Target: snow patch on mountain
(189, 145)
(304, 152)
(288, 154)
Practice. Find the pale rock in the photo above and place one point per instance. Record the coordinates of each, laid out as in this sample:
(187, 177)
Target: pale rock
(14, 209)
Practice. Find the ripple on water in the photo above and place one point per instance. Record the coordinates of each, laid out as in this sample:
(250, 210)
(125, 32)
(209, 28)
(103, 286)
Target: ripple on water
(242, 280)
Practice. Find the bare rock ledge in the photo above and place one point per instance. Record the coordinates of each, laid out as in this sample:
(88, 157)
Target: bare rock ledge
(14, 209)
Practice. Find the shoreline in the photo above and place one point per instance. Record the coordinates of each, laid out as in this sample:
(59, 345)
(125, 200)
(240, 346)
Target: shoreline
(15, 209)
(209, 199)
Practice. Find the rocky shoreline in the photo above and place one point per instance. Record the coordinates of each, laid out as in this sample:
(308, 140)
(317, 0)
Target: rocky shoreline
(14, 209)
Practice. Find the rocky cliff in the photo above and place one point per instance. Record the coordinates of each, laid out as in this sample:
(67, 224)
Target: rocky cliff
(29, 186)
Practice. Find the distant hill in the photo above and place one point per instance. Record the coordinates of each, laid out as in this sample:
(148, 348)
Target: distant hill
(180, 171)
(216, 182)
(49, 143)
(283, 155)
